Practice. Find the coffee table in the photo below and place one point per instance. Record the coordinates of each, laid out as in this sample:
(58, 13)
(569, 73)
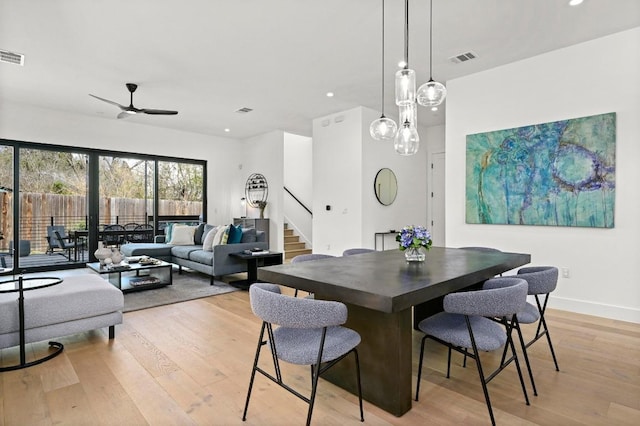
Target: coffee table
(137, 276)
(253, 262)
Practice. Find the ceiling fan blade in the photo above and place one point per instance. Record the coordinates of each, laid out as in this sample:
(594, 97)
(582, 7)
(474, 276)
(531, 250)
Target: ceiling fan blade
(107, 101)
(158, 111)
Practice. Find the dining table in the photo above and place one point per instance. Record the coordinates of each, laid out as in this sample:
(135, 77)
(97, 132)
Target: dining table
(386, 297)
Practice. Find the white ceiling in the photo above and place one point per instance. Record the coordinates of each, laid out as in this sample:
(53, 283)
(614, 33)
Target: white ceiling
(208, 58)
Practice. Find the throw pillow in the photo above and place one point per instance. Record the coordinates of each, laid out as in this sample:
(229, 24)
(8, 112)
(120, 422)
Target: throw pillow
(225, 236)
(235, 234)
(182, 235)
(207, 229)
(207, 244)
(248, 235)
(220, 233)
(167, 231)
(197, 236)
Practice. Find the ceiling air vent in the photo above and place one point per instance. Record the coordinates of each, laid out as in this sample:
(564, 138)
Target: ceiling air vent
(244, 110)
(11, 58)
(463, 57)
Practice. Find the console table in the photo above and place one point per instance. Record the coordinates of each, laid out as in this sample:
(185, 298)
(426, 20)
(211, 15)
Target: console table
(383, 235)
(20, 285)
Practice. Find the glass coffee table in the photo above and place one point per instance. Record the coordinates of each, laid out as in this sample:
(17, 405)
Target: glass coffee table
(136, 276)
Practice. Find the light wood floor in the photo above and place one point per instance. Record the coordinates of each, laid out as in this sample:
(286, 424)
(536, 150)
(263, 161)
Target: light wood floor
(189, 363)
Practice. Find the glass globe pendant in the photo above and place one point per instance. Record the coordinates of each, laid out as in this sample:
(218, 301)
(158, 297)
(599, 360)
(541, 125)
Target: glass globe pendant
(405, 87)
(432, 93)
(407, 140)
(408, 113)
(383, 129)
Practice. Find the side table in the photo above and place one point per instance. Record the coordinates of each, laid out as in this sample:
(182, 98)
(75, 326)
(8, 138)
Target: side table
(21, 285)
(253, 261)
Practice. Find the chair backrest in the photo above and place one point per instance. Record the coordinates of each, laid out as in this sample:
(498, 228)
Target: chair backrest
(53, 242)
(308, 257)
(130, 226)
(541, 279)
(58, 240)
(353, 251)
(499, 297)
(116, 236)
(269, 305)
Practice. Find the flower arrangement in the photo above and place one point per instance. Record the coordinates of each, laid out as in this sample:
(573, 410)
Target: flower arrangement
(414, 237)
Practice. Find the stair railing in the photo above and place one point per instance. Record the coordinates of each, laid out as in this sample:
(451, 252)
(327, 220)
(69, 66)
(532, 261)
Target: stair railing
(298, 201)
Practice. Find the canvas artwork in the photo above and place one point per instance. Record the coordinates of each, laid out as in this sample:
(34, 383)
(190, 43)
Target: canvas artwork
(556, 174)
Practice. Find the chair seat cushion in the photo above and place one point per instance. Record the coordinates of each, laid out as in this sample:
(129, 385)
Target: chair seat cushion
(300, 346)
(452, 328)
(529, 315)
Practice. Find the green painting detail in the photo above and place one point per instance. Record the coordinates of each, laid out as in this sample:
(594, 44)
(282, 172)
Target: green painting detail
(556, 174)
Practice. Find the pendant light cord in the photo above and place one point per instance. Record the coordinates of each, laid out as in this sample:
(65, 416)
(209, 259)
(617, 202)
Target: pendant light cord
(430, 40)
(382, 59)
(406, 34)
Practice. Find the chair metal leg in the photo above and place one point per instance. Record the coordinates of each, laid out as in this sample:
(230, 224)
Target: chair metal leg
(543, 323)
(316, 376)
(480, 372)
(526, 356)
(449, 363)
(509, 326)
(420, 366)
(253, 372)
(355, 352)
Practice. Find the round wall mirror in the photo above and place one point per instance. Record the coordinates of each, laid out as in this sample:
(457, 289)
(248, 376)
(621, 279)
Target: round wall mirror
(385, 186)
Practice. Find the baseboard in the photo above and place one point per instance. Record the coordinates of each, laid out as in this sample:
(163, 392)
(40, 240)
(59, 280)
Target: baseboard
(596, 309)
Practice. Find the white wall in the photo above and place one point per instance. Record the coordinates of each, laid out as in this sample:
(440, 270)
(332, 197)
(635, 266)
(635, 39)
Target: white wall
(31, 124)
(595, 77)
(345, 162)
(264, 154)
(298, 171)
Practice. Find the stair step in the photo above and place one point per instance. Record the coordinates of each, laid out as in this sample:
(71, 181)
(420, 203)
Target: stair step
(291, 239)
(290, 254)
(288, 232)
(294, 246)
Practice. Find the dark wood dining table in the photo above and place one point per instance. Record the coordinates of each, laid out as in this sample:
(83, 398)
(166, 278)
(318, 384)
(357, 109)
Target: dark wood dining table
(383, 293)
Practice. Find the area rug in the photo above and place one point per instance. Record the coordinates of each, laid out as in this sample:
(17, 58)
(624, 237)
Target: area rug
(186, 286)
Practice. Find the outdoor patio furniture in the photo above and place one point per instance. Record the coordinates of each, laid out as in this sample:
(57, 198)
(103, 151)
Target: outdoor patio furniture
(67, 246)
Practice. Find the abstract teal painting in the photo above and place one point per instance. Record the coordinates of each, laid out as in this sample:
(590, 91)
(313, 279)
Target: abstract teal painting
(555, 174)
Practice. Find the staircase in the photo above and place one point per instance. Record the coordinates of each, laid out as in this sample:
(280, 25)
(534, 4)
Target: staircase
(292, 245)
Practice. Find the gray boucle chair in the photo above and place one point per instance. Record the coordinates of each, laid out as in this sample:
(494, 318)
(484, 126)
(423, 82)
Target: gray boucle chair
(542, 280)
(307, 258)
(309, 333)
(353, 251)
(463, 324)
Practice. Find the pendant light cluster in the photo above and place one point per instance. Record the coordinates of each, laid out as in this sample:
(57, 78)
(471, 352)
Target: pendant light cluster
(406, 139)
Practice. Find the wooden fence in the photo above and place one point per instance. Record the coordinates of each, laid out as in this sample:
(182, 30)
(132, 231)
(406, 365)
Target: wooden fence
(40, 210)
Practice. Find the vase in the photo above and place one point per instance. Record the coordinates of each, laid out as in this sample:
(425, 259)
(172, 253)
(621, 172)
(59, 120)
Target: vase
(102, 253)
(116, 256)
(413, 254)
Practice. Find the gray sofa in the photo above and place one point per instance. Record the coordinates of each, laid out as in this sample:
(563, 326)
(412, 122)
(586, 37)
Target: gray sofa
(213, 263)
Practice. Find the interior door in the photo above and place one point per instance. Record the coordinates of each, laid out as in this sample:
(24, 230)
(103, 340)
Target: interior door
(436, 199)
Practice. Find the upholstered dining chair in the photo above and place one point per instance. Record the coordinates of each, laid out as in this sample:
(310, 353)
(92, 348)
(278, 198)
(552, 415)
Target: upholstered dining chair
(307, 258)
(542, 281)
(308, 332)
(353, 251)
(465, 323)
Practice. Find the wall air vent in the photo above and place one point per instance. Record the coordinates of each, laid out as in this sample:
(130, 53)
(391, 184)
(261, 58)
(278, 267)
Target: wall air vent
(244, 110)
(11, 58)
(463, 57)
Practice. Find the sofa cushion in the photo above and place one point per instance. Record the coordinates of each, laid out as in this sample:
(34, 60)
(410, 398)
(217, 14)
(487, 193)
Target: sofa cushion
(146, 249)
(183, 251)
(197, 235)
(182, 235)
(205, 232)
(207, 243)
(220, 234)
(235, 234)
(248, 235)
(201, 256)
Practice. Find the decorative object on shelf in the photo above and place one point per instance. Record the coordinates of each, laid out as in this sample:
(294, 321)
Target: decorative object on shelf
(261, 205)
(256, 191)
(116, 256)
(102, 254)
(414, 241)
(383, 129)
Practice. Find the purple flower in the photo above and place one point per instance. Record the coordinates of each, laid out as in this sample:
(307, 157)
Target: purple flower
(414, 236)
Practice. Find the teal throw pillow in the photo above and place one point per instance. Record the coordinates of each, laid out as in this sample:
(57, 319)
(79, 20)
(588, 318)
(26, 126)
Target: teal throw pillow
(167, 232)
(235, 234)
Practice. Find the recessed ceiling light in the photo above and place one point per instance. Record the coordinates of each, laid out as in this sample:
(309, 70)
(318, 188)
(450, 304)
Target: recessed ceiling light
(227, 130)
(575, 2)
(329, 94)
(435, 108)
(402, 64)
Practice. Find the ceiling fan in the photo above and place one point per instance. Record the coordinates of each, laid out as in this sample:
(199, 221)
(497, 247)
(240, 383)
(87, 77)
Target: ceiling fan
(131, 110)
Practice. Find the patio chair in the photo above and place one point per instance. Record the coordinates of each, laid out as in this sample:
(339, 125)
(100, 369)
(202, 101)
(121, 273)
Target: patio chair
(309, 333)
(67, 246)
(113, 235)
(142, 234)
(51, 238)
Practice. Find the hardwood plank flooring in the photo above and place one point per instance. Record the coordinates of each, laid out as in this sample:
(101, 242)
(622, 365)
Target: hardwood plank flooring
(189, 364)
